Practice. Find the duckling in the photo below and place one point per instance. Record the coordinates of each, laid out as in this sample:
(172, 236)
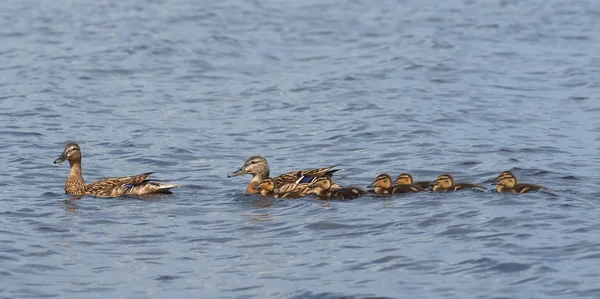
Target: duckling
(404, 184)
(109, 187)
(507, 182)
(258, 167)
(445, 183)
(267, 187)
(382, 184)
(323, 187)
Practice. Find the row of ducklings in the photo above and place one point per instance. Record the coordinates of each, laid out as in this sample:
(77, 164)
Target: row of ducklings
(319, 181)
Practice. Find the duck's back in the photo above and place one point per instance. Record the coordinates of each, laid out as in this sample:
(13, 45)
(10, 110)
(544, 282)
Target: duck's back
(462, 186)
(523, 188)
(404, 188)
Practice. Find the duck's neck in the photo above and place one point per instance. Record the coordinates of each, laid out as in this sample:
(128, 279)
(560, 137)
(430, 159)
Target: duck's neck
(266, 193)
(381, 190)
(75, 184)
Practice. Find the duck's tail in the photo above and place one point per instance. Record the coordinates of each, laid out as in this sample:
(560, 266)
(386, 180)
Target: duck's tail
(151, 187)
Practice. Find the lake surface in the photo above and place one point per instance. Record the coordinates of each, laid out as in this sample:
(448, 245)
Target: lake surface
(191, 89)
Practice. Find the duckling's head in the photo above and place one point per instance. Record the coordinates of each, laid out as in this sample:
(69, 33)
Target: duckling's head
(267, 185)
(323, 182)
(404, 179)
(71, 153)
(506, 179)
(255, 165)
(382, 181)
(445, 181)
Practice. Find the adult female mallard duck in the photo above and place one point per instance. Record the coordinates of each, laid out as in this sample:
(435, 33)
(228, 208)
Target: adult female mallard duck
(507, 182)
(258, 167)
(383, 186)
(405, 184)
(445, 183)
(322, 187)
(267, 188)
(109, 187)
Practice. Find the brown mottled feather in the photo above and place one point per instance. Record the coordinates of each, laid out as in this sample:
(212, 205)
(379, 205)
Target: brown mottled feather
(507, 182)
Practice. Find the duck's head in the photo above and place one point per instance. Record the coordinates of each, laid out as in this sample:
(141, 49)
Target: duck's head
(506, 179)
(71, 153)
(404, 179)
(267, 185)
(382, 181)
(445, 181)
(323, 182)
(254, 165)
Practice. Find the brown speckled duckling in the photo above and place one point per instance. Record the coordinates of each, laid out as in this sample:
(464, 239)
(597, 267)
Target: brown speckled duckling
(405, 184)
(324, 188)
(507, 182)
(267, 188)
(382, 184)
(109, 187)
(445, 183)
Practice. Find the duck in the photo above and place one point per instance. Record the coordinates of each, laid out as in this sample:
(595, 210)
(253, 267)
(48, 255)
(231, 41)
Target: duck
(267, 186)
(445, 183)
(405, 184)
(507, 182)
(295, 181)
(322, 188)
(108, 187)
(383, 185)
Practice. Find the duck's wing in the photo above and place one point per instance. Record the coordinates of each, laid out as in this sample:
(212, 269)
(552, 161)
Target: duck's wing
(119, 181)
(406, 189)
(133, 185)
(346, 193)
(303, 188)
(462, 186)
(304, 176)
(290, 195)
(424, 185)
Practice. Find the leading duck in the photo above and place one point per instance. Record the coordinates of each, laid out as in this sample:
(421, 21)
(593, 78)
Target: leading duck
(109, 187)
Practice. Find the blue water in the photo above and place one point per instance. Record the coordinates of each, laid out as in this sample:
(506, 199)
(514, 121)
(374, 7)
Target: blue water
(190, 89)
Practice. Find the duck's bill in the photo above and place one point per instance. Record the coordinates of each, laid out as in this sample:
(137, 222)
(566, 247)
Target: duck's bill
(257, 188)
(372, 184)
(236, 173)
(61, 159)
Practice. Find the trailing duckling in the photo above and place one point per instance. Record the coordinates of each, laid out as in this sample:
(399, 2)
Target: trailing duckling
(506, 182)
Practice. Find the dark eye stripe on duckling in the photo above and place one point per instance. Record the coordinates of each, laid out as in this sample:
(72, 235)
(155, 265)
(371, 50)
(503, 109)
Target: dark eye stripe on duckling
(382, 177)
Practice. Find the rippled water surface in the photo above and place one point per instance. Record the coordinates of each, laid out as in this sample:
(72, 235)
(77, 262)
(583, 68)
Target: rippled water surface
(190, 89)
